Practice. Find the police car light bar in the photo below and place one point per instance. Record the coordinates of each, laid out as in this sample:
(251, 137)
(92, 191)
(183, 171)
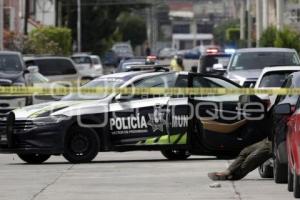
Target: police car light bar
(149, 67)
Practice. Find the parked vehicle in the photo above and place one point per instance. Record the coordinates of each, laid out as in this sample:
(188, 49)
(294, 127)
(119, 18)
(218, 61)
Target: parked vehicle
(110, 58)
(117, 122)
(167, 53)
(13, 73)
(55, 68)
(88, 64)
(192, 53)
(214, 63)
(289, 110)
(274, 77)
(123, 50)
(246, 65)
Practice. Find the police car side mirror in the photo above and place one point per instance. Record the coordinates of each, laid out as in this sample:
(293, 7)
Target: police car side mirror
(283, 109)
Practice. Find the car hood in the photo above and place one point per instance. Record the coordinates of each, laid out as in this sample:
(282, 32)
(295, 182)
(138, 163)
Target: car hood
(67, 108)
(13, 76)
(244, 74)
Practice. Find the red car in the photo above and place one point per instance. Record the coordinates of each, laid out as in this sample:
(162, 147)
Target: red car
(292, 144)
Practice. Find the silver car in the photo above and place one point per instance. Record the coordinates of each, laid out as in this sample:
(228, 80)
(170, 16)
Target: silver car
(246, 65)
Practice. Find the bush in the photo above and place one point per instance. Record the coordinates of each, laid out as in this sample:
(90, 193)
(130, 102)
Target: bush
(49, 40)
(288, 38)
(232, 35)
(285, 38)
(268, 37)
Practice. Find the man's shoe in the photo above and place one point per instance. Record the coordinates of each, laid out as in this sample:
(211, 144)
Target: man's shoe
(216, 176)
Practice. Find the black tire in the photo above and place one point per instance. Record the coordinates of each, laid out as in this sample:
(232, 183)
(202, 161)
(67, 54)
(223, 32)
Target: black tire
(265, 171)
(290, 180)
(34, 158)
(81, 145)
(175, 154)
(296, 186)
(280, 172)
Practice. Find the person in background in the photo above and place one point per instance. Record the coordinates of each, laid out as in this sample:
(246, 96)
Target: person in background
(177, 64)
(147, 49)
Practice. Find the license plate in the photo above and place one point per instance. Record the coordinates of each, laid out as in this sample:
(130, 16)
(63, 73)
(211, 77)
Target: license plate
(3, 138)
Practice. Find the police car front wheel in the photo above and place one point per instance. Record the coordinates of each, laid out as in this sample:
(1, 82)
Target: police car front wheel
(81, 145)
(175, 154)
(34, 158)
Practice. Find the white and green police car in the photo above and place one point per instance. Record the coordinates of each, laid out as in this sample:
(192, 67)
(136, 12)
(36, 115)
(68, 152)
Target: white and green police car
(80, 126)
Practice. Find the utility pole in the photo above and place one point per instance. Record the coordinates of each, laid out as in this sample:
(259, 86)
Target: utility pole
(79, 25)
(265, 13)
(26, 16)
(279, 14)
(249, 23)
(258, 21)
(1, 24)
(242, 20)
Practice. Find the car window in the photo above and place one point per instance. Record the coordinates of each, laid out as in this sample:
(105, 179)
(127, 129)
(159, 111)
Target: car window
(166, 80)
(244, 61)
(52, 67)
(82, 59)
(10, 64)
(96, 61)
(101, 82)
(274, 79)
(286, 84)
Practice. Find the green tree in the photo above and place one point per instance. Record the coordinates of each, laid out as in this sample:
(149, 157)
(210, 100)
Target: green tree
(100, 26)
(219, 31)
(133, 29)
(288, 38)
(268, 37)
(49, 40)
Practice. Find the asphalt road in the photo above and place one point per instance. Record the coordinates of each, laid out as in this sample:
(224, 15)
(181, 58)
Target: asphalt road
(128, 176)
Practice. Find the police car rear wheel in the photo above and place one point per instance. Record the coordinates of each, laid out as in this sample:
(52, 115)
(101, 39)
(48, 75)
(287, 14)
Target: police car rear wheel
(81, 145)
(34, 158)
(175, 154)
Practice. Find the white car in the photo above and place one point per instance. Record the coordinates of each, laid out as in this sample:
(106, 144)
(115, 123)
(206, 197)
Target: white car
(89, 65)
(272, 78)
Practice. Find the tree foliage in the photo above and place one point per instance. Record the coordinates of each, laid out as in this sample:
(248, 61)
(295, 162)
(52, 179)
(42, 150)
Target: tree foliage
(220, 30)
(100, 25)
(268, 37)
(133, 29)
(285, 38)
(288, 38)
(49, 40)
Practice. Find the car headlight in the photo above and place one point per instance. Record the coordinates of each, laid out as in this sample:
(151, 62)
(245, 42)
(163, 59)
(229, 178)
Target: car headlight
(41, 121)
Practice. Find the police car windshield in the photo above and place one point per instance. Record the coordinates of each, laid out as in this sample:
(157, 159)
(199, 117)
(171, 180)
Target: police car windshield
(103, 82)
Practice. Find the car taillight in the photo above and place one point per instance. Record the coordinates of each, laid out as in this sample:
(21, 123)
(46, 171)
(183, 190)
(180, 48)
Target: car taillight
(212, 50)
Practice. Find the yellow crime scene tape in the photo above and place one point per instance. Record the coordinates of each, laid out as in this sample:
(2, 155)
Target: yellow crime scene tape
(40, 91)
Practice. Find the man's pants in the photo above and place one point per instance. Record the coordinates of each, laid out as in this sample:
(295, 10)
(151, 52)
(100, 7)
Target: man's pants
(250, 158)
